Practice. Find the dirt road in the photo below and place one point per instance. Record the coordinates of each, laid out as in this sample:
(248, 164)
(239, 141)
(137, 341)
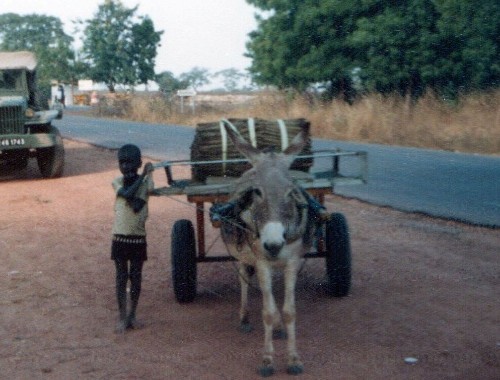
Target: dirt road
(422, 288)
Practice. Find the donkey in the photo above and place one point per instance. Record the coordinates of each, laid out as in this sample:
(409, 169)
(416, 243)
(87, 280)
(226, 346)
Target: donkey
(267, 231)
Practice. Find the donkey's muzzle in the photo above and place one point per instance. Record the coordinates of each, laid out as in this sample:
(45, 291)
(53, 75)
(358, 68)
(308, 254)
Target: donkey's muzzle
(273, 249)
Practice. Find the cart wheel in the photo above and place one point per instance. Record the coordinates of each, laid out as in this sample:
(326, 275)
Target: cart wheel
(183, 248)
(338, 256)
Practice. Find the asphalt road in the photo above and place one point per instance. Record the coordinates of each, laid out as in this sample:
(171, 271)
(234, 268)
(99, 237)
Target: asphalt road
(449, 185)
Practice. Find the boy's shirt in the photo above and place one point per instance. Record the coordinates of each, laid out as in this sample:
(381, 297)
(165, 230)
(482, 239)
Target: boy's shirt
(127, 222)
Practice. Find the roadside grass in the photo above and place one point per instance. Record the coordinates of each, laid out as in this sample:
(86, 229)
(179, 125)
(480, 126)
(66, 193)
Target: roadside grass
(470, 124)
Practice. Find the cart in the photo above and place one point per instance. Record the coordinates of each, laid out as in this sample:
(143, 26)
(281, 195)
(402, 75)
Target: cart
(188, 244)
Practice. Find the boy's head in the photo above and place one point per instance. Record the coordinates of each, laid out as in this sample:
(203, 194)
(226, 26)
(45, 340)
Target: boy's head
(129, 159)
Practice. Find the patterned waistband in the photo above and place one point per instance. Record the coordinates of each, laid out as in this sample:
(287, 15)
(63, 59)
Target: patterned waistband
(129, 239)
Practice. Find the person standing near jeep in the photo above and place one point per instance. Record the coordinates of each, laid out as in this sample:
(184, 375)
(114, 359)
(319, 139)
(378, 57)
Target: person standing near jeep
(129, 247)
(60, 95)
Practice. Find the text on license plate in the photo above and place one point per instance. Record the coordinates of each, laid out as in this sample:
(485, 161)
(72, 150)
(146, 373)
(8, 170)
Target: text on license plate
(12, 142)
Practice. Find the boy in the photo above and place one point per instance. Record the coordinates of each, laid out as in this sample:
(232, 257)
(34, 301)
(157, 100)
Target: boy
(129, 232)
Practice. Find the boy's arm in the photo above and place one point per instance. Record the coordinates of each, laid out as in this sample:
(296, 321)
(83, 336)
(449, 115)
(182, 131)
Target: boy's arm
(129, 192)
(137, 203)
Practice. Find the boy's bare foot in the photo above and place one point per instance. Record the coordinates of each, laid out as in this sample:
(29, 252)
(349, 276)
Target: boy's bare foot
(134, 324)
(121, 326)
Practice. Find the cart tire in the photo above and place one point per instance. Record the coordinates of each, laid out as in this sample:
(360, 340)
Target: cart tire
(338, 256)
(183, 249)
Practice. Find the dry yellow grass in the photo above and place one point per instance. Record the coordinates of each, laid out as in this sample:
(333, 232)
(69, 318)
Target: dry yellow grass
(470, 125)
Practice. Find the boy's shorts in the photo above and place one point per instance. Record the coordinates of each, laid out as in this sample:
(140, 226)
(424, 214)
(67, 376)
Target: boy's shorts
(129, 247)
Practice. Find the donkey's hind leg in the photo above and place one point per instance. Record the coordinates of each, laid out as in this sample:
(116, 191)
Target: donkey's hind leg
(245, 272)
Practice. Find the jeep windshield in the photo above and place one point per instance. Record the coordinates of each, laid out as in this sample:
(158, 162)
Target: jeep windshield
(12, 82)
(17, 71)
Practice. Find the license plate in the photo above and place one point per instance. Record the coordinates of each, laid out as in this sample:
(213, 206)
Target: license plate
(12, 142)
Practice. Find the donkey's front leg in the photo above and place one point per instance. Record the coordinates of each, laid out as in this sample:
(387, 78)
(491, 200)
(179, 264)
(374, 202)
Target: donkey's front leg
(295, 366)
(269, 312)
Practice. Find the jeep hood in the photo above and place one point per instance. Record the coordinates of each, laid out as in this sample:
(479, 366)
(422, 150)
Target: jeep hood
(9, 101)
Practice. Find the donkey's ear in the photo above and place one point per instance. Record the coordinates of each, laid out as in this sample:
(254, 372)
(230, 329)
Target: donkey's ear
(298, 143)
(241, 144)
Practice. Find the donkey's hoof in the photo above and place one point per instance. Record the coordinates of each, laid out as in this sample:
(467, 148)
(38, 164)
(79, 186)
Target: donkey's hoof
(295, 366)
(120, 327)
(246, 328)
(134, 324)
(295, 369)
(266, 370)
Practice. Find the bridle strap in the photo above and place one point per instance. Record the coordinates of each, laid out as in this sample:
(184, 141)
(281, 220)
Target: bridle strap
(303, 208)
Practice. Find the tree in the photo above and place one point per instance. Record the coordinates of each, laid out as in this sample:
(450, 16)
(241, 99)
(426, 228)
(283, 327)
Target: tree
(396, 46)
(469, 42)
(450, 46)
(143, 55)
(231, 78)
(404, 46)
(120, 46)
(44, 36)
(303, 43)
(196, 77)
(169, 84)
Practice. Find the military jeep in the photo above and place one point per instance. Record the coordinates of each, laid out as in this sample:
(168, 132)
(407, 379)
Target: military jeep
(25, 126)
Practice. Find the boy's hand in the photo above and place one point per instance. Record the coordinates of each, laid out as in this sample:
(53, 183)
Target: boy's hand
(148, 168)
(136, 203)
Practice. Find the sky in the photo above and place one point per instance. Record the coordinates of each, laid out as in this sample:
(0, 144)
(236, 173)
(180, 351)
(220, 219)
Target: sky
(209, 34)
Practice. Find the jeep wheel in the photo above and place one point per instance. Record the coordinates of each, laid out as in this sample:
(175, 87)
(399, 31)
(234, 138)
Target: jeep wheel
(51, 160)
(19, 160)
(20, 164)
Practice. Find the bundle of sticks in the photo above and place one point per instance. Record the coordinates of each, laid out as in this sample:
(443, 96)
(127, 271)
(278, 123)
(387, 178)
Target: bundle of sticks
(210, 143)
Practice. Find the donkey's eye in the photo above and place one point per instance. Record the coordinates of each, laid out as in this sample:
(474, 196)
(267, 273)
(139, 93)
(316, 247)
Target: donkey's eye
(257, 192)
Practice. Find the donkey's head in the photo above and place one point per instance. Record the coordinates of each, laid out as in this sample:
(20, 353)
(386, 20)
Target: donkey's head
(275, 208)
